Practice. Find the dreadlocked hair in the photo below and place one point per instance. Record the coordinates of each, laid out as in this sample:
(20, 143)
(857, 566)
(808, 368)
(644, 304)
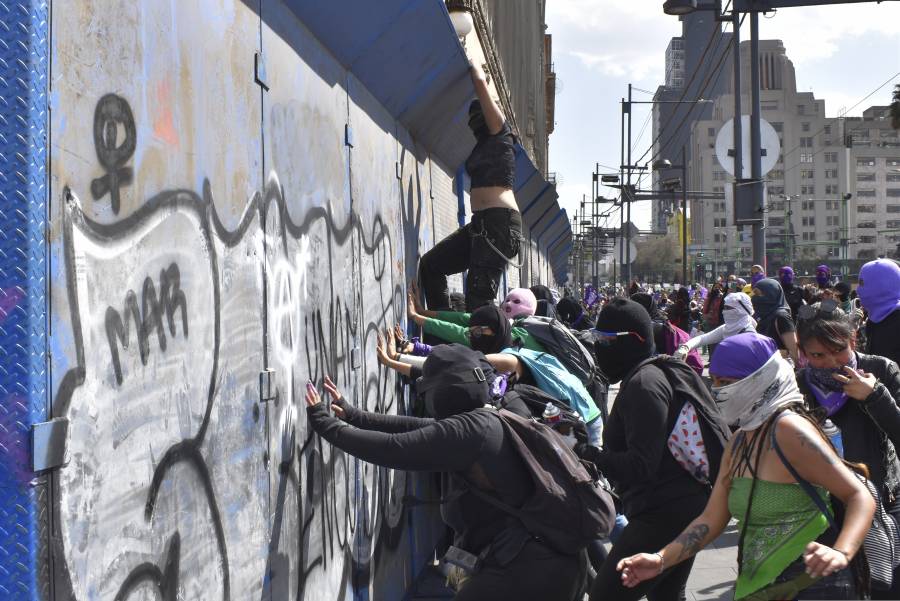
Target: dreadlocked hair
(748, 452)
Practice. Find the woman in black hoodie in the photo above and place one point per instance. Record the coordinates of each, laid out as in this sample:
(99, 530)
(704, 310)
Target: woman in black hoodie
(659, 496)
(466, 443)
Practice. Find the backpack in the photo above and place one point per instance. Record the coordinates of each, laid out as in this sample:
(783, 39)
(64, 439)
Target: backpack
(675, 337)
(711, 428)
(570, 507)
(559, 341)
(554, 379)
(535, 400)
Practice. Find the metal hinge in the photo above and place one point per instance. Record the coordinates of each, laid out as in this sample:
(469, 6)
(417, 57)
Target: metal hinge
(399, 168)
(355, 358)
(267, 390)
(348, 135)
(48, 444)
(259, 71)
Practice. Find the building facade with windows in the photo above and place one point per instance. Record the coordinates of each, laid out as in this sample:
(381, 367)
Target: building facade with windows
(806, 220)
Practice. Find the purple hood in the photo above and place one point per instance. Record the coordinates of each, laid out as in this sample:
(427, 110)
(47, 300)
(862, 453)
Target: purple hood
(879, 288)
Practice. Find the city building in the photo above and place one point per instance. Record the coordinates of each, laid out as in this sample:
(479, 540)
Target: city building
(821, 162)
(691, 75)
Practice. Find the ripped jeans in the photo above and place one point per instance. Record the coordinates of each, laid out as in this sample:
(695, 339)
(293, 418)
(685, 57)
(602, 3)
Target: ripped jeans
(473, 247)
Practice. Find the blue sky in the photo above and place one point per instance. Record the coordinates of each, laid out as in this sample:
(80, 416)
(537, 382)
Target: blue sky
(841, 53)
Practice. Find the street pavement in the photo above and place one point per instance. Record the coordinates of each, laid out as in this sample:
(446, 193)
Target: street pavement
(712, 578)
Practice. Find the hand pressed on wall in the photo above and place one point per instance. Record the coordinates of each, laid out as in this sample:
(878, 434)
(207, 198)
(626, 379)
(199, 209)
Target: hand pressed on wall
(313, 398)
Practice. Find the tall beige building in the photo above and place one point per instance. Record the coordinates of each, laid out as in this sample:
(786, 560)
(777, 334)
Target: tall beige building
(806, 222)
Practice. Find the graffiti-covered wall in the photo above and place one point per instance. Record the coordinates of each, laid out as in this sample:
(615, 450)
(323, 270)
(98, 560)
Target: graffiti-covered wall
(232, 214)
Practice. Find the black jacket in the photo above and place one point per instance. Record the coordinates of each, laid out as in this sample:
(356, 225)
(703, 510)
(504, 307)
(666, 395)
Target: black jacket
(635, 455)
(884, 337)
(870, 429)
(463, 447)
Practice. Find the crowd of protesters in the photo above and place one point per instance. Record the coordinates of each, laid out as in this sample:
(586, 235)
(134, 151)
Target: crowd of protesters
(793, 432)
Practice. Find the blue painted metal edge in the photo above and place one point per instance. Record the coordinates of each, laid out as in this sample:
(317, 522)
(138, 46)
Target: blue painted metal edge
(24, 123)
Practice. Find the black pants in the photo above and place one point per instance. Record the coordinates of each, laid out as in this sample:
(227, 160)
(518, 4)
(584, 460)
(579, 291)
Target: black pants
(469, 248)
(536, 573)
(647, 533)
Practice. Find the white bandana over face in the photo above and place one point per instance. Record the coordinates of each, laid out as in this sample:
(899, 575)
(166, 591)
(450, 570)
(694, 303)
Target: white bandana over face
(738, 314)
(749, 402)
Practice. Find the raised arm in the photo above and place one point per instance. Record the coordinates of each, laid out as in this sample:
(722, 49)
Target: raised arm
(493, 116)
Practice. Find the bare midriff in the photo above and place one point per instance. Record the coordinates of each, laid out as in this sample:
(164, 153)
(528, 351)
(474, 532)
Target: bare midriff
(492, 197)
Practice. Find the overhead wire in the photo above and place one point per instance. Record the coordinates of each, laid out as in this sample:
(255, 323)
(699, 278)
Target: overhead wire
(717, 73)
(700, 64)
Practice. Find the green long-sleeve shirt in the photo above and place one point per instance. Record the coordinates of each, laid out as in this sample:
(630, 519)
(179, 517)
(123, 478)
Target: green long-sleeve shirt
(452, 327)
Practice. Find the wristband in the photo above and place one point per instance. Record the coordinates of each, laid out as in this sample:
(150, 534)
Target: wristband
(662, 563)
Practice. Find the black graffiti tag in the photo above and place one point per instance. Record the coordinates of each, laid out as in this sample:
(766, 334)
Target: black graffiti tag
(111, 112)
(147, 317)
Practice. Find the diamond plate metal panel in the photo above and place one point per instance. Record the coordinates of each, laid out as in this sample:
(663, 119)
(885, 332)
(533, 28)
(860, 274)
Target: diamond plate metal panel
(23, 151)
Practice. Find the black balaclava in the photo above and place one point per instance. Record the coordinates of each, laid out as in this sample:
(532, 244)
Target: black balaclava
(570, 312)
(546, 307)
(646, 301)
(455, 379)
(618, 358)
(477, 123)
(492, 317)
(541, 292)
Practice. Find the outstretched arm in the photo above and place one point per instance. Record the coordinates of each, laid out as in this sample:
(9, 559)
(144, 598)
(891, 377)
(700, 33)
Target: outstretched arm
(493, 116)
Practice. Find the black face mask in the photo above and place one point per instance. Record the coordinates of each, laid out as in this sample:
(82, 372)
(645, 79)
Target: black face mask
(492, 317)
(477, 123)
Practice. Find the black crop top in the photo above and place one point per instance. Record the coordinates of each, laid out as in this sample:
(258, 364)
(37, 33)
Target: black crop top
(493, 160)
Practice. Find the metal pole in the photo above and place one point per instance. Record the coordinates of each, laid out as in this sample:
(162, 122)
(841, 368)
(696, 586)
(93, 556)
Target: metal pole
(738, 124)
(594, 225)
(622, 195)
(628, 232)
(759, 228)
(684, 221)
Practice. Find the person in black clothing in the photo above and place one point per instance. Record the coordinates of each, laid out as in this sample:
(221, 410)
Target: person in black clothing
(490, 241)
(570, 312)
(879, 292)
(792, 294)
(773, 316)
(466, 443)
(680, 312)
(859, 394)
(660, 497)
(657, 317)
(546, 306)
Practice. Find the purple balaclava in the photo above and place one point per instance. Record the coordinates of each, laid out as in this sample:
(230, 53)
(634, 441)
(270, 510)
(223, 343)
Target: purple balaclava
(879, 288)
(740, 355)
(786, 275)
(520, 302)
(758, 273)
(823, 275)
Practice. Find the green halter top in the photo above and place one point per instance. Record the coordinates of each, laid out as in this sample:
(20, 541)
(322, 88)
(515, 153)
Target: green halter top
(783, 520)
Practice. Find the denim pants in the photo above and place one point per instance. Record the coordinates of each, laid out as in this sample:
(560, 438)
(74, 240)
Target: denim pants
(473, 247)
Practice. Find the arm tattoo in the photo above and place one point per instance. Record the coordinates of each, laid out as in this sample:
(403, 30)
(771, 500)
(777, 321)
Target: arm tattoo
(815, 445)
(691, 540)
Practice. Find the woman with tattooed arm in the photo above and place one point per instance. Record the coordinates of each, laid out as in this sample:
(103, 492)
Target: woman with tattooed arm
(786, 549)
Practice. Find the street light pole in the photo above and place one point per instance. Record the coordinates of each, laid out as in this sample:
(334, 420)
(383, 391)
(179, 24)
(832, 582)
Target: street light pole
(628, 199)
(759, 227)
(684, 227)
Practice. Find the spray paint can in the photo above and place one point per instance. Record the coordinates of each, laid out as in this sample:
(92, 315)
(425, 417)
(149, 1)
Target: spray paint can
(834, 435)
(551, 414)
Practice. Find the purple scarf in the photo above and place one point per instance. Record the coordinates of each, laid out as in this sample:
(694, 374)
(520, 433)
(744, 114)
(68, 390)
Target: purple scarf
(828, 392)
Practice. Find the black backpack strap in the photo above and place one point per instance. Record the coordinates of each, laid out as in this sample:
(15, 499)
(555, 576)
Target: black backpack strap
(804, 484)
